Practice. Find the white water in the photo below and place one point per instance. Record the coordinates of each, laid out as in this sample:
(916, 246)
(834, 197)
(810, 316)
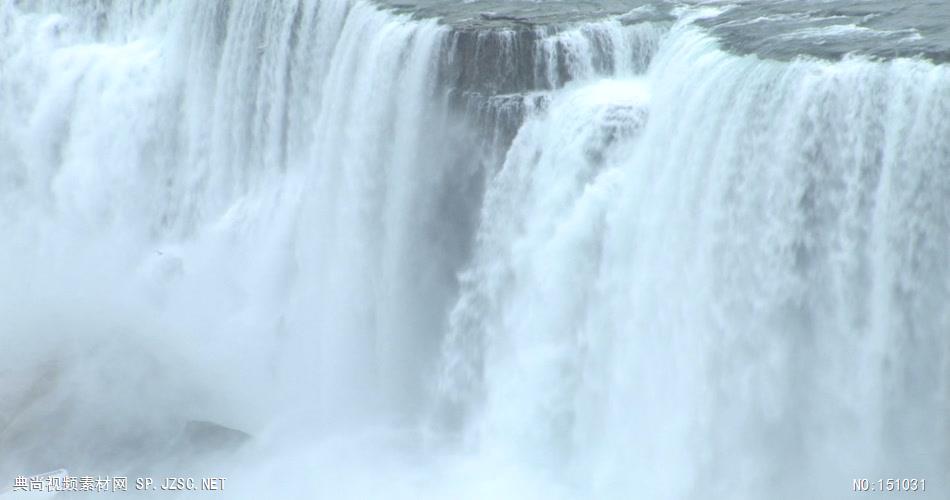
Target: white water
(721, 278)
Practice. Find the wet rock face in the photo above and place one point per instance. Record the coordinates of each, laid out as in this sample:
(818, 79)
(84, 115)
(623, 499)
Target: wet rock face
(498, 53)
(513, 47)
(486, 74)
(496, 66)
(61, 414)
(47, 442)
(203, 437)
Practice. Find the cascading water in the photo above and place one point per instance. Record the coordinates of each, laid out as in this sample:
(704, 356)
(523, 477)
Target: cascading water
(346, 249)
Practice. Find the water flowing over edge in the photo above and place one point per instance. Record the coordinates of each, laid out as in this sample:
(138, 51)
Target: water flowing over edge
(596, 260)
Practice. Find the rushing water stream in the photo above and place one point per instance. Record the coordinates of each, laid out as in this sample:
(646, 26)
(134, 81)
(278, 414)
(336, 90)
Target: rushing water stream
(433, 249)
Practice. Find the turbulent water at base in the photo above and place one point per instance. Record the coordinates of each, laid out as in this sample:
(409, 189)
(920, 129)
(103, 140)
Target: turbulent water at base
(426, 249)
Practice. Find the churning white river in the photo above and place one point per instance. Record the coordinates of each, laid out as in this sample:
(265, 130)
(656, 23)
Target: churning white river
(475, 250)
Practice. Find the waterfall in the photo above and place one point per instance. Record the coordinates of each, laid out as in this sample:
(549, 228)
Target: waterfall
(748, 284)
(489, 250)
